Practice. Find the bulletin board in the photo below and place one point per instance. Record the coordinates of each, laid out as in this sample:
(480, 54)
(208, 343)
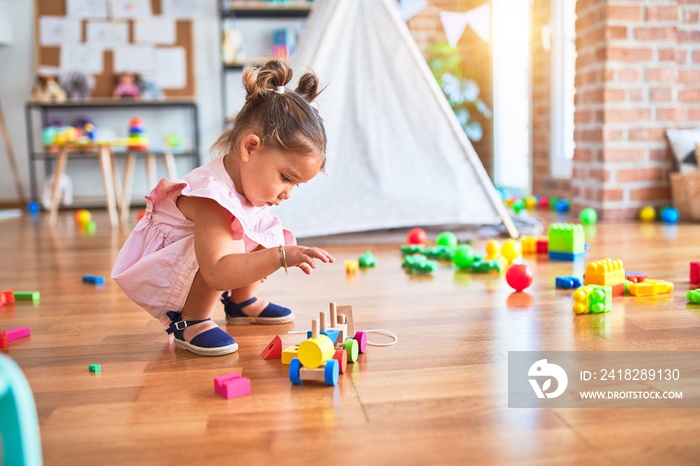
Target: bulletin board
(49, 56)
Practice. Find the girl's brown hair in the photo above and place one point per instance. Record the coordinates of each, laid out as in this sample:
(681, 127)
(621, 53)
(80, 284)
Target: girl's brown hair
(283, 121)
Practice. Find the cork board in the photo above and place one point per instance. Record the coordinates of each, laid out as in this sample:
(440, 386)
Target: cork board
(49, 56)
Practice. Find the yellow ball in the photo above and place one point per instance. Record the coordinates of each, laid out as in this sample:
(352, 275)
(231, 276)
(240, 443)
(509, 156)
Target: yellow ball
(82, 217)
(647, 214)
(493, 249)
(511, 249)
(530, 202)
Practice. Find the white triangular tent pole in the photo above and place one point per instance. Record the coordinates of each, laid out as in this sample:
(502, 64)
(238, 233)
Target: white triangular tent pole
(396, 156)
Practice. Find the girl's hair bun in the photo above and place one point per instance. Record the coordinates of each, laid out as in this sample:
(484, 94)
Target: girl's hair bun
(262, 80)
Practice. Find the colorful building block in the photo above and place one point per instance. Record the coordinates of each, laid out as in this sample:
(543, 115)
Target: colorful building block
(6, 336)
(693, 296)
(650, 287)
(274, 349)
(8, 295)
(27, 296)
(232, 386)
(351, 266)
(695, 273)
(566, 238)
(95, 368)
(635, 277)
(290, 353)
(542, 245)
(606, 272)
(529, 244)
(94, 279)
(593, 299)
(567, 283)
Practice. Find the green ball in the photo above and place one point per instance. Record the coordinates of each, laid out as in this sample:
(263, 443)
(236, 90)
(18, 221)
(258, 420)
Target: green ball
(518, 206)
(446, 238)
(588, 216)
(463, 256)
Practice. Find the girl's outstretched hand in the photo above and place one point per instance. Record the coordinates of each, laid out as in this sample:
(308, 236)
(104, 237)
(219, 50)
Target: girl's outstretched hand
(303, 257)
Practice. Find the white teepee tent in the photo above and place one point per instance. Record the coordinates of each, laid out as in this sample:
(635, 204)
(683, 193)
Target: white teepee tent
(397, 156)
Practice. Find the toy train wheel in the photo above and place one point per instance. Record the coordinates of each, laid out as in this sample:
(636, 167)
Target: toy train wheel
(342, 357)
(331, 372)
(361, 338)
(352, 348)
(295, 371)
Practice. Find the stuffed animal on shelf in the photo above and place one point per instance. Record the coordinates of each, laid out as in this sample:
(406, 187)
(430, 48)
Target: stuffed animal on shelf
(126, 86)
(47, 90)
(79, 86)
(149, 89)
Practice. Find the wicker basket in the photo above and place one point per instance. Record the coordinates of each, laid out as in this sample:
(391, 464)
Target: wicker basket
(685, 189)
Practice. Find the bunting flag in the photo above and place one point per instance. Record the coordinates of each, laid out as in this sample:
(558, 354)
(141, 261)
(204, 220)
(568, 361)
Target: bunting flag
(479, 19)
(409, 8)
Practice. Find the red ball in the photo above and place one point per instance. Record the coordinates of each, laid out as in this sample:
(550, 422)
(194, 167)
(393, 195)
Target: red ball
(417, 236)
(519, 276)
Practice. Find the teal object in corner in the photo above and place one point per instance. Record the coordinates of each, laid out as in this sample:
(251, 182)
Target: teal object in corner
(19, 424)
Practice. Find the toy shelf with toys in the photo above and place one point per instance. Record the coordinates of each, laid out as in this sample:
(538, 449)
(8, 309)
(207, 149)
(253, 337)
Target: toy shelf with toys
(168, 128)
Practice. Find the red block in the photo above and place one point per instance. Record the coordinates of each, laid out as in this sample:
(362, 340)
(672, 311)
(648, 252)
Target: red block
(543, 246)
(695, 273)
(636, 278)
(7, 336)
(232, 386)
(274, 349)
(8, 295)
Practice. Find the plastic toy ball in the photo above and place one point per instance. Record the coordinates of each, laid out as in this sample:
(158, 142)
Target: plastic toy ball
(588, 216)
(518, 205)
(553, 203)
(463, 256)
(417, 236)
(543, 202)
(33, 207)
(511, 249)
(562, 206)
(446, 238)
(82, 217)
(530, 202)
(670, 215)
(519, 276)
(647, 214)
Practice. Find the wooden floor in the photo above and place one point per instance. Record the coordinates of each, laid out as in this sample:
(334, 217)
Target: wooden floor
(438, 397)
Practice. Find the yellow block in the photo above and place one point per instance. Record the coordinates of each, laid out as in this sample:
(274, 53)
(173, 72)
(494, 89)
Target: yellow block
(650, 288)
(605, 272)
(315, 351)
(289, 354)
(529, 245)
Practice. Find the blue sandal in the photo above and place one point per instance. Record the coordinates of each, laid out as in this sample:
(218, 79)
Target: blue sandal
(272, 314)
(213, 342)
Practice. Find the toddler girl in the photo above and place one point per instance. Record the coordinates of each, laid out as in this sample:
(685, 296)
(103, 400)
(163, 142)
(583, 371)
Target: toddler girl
(212, 230)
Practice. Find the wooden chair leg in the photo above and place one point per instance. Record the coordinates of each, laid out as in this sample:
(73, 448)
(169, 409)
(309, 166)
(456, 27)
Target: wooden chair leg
(125, 203)
(107, 177)
(170, 166)
(151, 171)
(115, 179)
(61, 162)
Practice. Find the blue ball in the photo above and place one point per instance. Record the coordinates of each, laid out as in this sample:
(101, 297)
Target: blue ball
(670, 215)
(562, 206)
(33, 207)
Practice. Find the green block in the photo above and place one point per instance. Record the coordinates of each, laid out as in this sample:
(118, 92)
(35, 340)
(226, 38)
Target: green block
(566, 237)
(367, 259)
(412, 249)
(94, 368)
(27, 296)
(600, 300)
(694, 296)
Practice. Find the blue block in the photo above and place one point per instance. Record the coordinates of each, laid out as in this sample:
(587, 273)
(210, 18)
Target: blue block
(567, 283)
(565, 256)
(332, 334)
(94, 279)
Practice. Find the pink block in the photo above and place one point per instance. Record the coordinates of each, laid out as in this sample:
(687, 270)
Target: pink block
(695, 273)
(7, 336)
(232, 386)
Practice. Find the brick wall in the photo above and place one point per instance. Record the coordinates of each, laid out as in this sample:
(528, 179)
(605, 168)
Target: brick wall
(427, 29)
(638, 74)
